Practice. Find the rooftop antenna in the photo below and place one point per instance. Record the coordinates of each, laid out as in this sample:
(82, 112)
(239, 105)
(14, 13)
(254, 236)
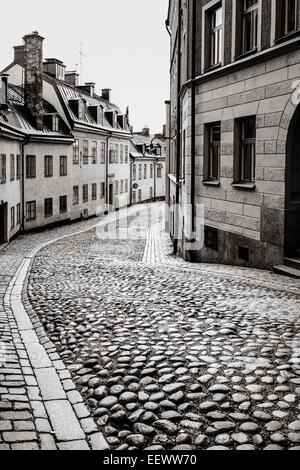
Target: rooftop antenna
(81, 55)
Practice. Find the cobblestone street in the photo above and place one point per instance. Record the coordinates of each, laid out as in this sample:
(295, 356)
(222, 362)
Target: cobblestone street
(164, 354)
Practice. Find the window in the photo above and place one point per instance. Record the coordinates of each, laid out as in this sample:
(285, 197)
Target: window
(121, 153)
(159, 171)
(75, 195)
(111, 154)
(63, 166)
(121, 187)
(12, 218)
(151, 170)
(140, 171)
(126, 186)
(85, 152)
(212, 152)
(30, 210)
(94, 151)
(139, 195)
(134, 172)
(133, 197)
(18, 214)
(214, 37)
(94, 192)
(85, 193)
(30, 166)
(249, 25)
(102, 155)
(245, 142)
(3, 169)
(151, 193)
(116, 188)
(102, 190)
(76, 152)
(12, 168)
(48, 207)
(126, 153)
(116, 153)
(48, 163)
(55, 123)
(18, 167)
(63, 204)
(287, 17)
(145, 171)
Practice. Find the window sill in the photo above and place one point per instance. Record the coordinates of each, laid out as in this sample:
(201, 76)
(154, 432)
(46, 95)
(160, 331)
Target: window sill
(287, 37)
(211, 68)
(212, 183)
(245, 54)
(247, 186)
(48, 176)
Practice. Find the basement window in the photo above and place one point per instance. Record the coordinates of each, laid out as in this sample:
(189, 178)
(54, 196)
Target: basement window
(243, 253)
(211, 238)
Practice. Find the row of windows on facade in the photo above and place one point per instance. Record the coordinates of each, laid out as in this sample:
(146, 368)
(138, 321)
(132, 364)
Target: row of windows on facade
(143, 171)
(244, 150)
(139, 194)
(120, 188)
(15, 168)
(247, 27)
(118, 153)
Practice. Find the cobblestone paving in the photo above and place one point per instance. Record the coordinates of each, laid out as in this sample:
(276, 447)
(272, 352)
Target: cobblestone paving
(169, 355)
(26, 418)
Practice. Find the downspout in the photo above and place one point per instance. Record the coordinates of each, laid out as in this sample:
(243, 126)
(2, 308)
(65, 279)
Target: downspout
(155, 174)
(193, 127)
(130, 181)
(106, 174)
(26, 141)
(178, 137)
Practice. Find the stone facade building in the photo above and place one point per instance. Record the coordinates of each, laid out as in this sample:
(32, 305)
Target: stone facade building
(64, 149)
(148, 163)
(233, 170)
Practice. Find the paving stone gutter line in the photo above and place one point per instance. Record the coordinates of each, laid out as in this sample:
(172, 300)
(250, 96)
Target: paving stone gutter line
(62, 420)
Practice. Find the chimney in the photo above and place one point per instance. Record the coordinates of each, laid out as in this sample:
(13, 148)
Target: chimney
(106, 94)
(146, 131)
(33, 65)
(88, 88)
(19, 55)
(3, 92)
(72, 78)
(54, 68)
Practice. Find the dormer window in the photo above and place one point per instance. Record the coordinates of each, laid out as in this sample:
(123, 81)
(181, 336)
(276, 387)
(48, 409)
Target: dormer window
(55, 123)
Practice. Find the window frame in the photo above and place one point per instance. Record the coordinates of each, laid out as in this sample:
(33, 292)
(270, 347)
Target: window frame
(12, 218)
(76, 152)
(47, 173)
(29, 166)
(31, 205)
(207, 11)
(85, 193)
(12, 167)
(237, 30)
(240, 144)
(75, 195)
(94, 191)
(47, 214)
(209, 146)
(65, 208)
(63, 165)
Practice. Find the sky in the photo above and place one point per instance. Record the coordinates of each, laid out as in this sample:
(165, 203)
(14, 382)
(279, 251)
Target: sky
(125, 46)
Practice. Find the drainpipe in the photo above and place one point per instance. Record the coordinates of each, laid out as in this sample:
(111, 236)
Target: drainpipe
(178, 138)
(130, 181)
(193, 125)
(106, 173)
(26, 141)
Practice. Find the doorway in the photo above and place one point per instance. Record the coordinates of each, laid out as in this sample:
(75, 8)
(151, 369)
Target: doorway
(3, 223)
(292, 189)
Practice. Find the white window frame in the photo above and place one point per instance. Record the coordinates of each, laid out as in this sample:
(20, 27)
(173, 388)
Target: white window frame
(205, 9)
(234, 20)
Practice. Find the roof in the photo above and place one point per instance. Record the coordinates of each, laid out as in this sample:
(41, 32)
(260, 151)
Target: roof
(138, 140)
(69, 92)
(19, 118)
